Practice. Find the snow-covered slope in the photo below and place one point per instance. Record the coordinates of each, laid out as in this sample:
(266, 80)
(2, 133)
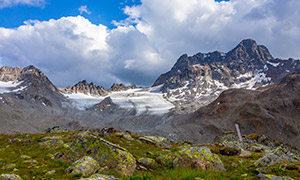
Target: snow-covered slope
(143, 100)
(10, 86)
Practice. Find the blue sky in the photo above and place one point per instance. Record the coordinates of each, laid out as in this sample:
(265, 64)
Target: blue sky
(107, 41)
(102, 11)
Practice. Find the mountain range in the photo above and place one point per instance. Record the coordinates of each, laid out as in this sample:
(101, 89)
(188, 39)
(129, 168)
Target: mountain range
(202, 96)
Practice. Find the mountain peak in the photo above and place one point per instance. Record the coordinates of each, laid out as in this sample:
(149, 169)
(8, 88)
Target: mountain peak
(248, 43)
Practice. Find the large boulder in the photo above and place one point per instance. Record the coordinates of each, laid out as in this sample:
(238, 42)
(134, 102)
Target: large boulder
(277, 155)
(85, 166)
(106, 153)
(10, 177)
(193, 157)
(273, 177)
(147, 162)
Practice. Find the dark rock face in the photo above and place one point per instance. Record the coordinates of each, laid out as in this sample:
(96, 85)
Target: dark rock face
(85, 88)
(274, 111)
(121, 87)
(205, 75)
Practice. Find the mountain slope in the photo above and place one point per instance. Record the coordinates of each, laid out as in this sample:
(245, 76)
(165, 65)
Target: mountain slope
(274, 111)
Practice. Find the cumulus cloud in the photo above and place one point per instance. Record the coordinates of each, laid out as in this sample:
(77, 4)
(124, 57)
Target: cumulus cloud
(84, 9)
(10, 3)
(150, 40)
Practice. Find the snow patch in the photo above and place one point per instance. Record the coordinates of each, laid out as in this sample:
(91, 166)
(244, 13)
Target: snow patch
(8, 87)
(146, 100)
(143, 100)
(273, 64)
(82, 101)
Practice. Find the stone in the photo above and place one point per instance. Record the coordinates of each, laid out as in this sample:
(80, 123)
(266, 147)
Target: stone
(10, 166)
(275, 156)
(30, 161)
(193, 157)
(55, 129)
(25, 157)
(50, 173)
(85, 166)
(10, 177)
(106, 153)
(53, 142)
(272, 177)
(244, 153)
(147, 162)
(100, 177)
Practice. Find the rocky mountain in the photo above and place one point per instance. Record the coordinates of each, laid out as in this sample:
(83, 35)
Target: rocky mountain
(85, 88)
(30, 85)
(274, 111)
(29, 102)
(205, 75)
(91, 89)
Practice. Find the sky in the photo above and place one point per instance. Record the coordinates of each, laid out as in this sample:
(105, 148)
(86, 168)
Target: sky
(134, 41)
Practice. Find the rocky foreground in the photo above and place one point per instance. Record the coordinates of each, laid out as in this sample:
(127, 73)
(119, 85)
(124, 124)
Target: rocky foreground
(111, 154)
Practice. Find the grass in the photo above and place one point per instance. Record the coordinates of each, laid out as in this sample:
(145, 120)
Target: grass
(236, 167)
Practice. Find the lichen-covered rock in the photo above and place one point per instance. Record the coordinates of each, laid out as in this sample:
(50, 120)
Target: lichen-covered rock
(54, 142)
(157, 140)
(244, 153)
(193, 157)
(25, 157)
(275, 156)
(147, 162)
(9, 166)
(55, 129)
(85, 166)
(10, 177)
(100, 177)
(106, 153)
(272, 177)
(50, 173)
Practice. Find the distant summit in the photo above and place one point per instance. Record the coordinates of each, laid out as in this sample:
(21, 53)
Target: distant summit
(204, 76)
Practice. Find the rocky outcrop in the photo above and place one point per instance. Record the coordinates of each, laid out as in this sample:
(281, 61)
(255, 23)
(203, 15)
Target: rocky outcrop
(193, 157)
(85, 166)
(104, 152)
(121, 87)
(91, 89)
(10, 177)
(277, 155)
(85, 88)
(273, 177)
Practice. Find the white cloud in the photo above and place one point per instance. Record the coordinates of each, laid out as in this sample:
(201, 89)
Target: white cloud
(150, 40)
(84, 9)
(10, 3)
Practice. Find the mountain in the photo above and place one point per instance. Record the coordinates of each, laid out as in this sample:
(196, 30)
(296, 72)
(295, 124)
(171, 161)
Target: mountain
(91, 89)
(29, 102)
(30, 85)
(205, 75)
(274, 111)
(85, 88)
(201, 97)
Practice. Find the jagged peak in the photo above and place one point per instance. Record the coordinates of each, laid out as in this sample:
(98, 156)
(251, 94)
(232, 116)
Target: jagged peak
(248, 42)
